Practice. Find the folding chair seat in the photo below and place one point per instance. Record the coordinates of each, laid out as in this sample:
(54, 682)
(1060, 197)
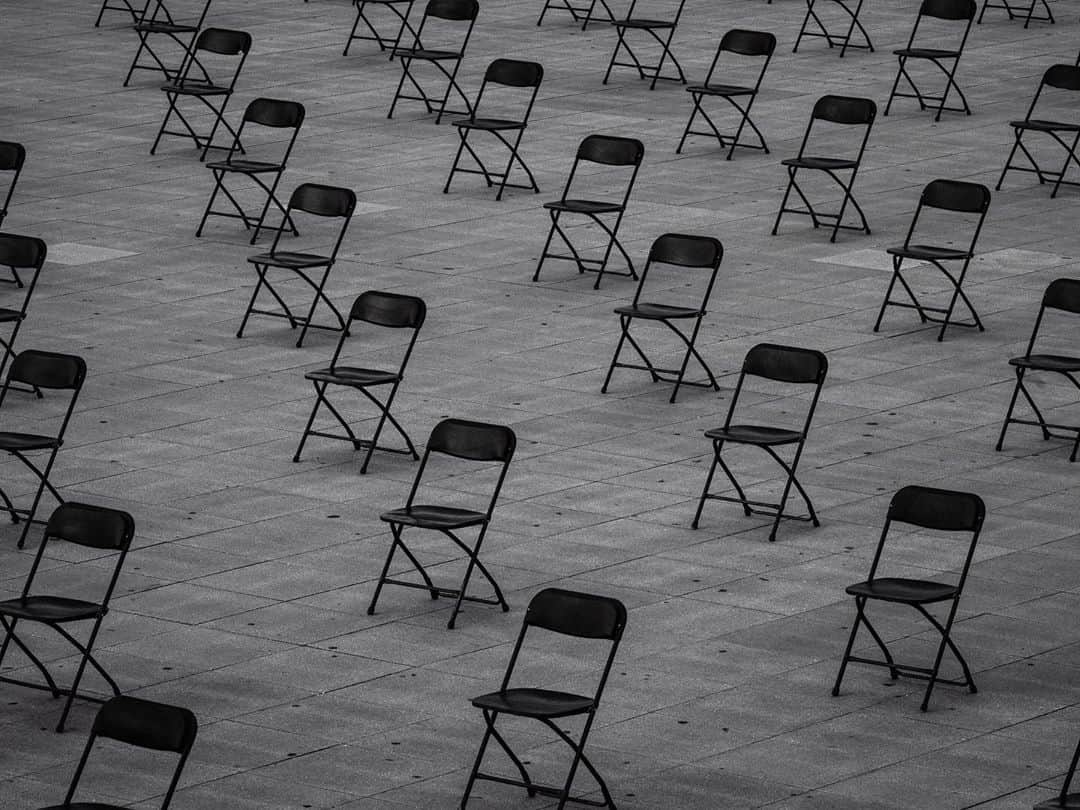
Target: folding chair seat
(157, 21)
(384, 42)
(971, 201)
(659, 29)
(581, 12)
(1018, 11)
(325, 202)
(511, 75)
(19, 253)
(12, 158)
(822, 31)
(596, 151)
(842, 111)
(938, 510)
(454, 21)
(142, 724)
(271, 116)
(378, 309)
(213, 95)
(566, 614)
(126, 6)
(1063, 295)
(94, 527)
(1066, 133)
(39, 370)
(1065, 800)
(471, 442)
(782, 364)
(752, 44)
(950, 13)
(677, 251)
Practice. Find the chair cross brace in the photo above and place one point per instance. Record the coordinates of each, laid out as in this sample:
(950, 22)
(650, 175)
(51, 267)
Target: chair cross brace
(674, 375)
(491, 177)
(43, 477)
(816, 216)
(1042, 424)
(204, 142)
(451, 84)
(921, 97)
(725, 140)
(249, 221)
(1017, 11)
(844, 40)
(922, 309)
(384, 43)
(646, 71)
(1043, 175)
(583, 13)
(294, 320)
(583, 264)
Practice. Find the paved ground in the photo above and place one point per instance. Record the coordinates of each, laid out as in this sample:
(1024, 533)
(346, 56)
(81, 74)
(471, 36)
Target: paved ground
(245, 596)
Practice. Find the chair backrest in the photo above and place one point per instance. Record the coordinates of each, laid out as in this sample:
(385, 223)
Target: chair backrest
(611, 150)
(514, 73)
(956, 195)
(788, 364)
(392, 310)
(273, 112)
(1063, 294)
(91, 526)
(1063, 77)
(940, 509)
(22, 251)
(47, 370)
(576, 614)
(12, 156)
(323, 201)
(948, 9)
(844, 110)
(224, 41)
(458, 10)
(748, 43)
(476, 441)
(687, 250)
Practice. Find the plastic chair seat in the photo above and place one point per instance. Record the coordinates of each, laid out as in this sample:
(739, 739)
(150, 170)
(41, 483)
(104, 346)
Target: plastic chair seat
(424, 53)
(927, 53)
(286, 258)
(755, 434)
(657, 312)
(1047, 362)
(534, 703)
(900, 589)
(1042, 125)
(720, 90)
(643, 23)
(195, 89)
(929, 252)
(820, 163)
(165, 28)
(356, 377)
(245, 166)
(49, 609)
(434, 517)
(489, 124)
(584, 206)
(26, 441)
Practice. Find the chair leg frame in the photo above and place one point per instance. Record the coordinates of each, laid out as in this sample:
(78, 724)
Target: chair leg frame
(845, 40)
(817, 216)
(305, 321)
(127, 7)
(250, 223)
(745, 119)
(451, 84)
(1039, 421)
(159, 65)
(662, 374)
(1044, 175)
(1016, 12)
(384, 43)
(583, 13)
(922, 309)
(203, 142)
(921, 97)
(646, 71)
(491, 177)
(43, 483)
(584, 264)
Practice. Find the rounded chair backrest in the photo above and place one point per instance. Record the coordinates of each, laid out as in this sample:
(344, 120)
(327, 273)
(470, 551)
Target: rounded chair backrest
(748, 43)
(687, 250)
(147, 724)
(21, 251)
(789, 364)
(452, 9)
(611, 150)
(47, 369)
(323, 201)
(576, 614)
(224, 41)
(845, 110)
(389, 309)
(956, 195)
(942, 509)
(477, 441)
(514, 73)
(92, 526)
(273, 112)
(12, 156)
(1064, 294)
(948, 9)
(1063, 77)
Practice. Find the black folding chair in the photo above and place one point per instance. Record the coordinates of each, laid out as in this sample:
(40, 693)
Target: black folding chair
(213, 95)
(676, 250)
(1063, 295)
(971, 200)
(660, 30)
(582, 12)
(142, 724)
(454, 25)
(565, 613)
(126, 6)
(92, 527)
(329, 202)
(951, 12)
(596, 150)
(39, 370)
(753, 44)
(843, 111)
(1017, 11)
(782, 364)
(470, 441)
(939, 510)
(510, 74)
(822, 30)
(1065, 133)
(12, 158)
(380, 309)
(1065, 800)
(272, 115)
(384, 42)
(19, 253)
(157, 21)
